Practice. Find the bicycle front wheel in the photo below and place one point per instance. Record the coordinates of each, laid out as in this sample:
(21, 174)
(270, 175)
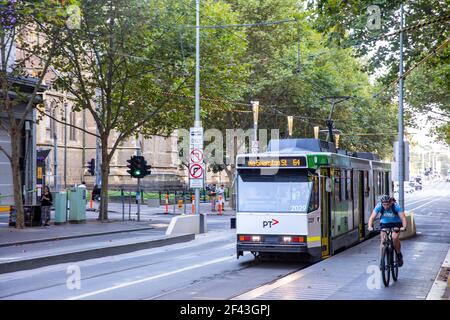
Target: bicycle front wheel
(394, 265)
(384, 266)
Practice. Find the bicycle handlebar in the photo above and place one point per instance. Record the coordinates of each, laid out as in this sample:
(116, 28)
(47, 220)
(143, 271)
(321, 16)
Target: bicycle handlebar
(391, 228)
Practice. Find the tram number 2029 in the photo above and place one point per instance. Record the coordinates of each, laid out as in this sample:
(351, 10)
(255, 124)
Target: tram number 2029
(298, 208)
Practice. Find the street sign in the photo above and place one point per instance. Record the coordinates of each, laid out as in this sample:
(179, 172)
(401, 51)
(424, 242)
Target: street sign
(196, 138)
(196, 171)
(196, 166)
(196, 156)
(196, 183)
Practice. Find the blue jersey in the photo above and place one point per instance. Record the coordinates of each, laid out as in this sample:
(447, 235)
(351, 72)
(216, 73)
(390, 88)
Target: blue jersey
(389, 216)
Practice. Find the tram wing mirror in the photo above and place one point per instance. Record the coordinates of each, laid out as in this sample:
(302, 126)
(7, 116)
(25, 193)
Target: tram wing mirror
(328, 184)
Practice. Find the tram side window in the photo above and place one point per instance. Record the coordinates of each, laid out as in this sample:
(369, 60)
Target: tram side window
(314, 200)
(343, 189)
(337, 186)
(380, 183)
(348, 192)
(366, 184)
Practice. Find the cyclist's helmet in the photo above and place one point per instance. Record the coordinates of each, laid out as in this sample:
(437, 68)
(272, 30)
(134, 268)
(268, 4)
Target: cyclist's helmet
(385, 198)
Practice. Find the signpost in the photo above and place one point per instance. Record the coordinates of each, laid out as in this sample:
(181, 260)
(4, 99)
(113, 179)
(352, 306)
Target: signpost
(196, 165)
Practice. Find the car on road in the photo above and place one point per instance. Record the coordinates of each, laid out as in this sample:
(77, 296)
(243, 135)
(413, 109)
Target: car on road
(407, 187)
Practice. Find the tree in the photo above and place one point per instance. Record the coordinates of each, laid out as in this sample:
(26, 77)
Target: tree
(345, 23)
(20, 53)
(133, 57)
(291, 69)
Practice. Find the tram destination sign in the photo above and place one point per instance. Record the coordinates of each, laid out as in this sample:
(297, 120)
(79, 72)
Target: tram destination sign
(272, 162)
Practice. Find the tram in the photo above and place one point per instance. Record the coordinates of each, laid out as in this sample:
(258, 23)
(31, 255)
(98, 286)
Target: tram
(303, 196)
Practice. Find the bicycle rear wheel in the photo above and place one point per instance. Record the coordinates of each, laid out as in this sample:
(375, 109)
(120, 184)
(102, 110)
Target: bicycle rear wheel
(394, 265)
(384, 266)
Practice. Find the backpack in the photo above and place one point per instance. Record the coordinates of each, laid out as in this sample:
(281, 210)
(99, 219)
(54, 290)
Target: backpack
(394, 211)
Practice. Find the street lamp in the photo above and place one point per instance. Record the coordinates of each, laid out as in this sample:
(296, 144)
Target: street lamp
(255, 106)
(316, 132)
(336, 136)
(290, 120)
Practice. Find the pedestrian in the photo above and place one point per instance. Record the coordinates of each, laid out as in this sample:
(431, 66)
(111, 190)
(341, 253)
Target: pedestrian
(221, 195)
(96, 197)
(212, 195)
(46, 205)
(83, 186)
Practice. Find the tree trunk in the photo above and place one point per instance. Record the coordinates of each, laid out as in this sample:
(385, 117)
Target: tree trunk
(17, 181)
(103, 213)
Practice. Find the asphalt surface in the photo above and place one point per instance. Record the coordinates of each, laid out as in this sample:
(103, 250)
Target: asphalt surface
(207, 268)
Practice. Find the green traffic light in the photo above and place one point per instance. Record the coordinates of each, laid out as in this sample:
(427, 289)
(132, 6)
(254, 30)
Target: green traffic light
(137, 173)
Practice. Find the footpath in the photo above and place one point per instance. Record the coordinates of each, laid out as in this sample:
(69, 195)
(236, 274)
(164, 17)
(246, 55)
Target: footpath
(125, 231)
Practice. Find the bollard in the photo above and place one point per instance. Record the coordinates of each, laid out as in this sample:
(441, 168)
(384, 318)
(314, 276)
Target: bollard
(167, 203)
(220, 205)
(193, 204)
(174, 202)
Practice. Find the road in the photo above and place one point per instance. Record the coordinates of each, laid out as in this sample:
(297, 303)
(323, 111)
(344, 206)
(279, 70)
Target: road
(205, 268)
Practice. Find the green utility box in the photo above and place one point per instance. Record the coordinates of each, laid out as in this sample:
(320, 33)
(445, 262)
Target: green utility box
(77, 205)
(61, 207)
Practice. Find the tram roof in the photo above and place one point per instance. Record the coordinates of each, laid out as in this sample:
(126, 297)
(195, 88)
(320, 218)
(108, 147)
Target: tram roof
(326, 150)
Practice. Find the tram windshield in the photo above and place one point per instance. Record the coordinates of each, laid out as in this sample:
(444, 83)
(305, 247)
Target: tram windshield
(286, 191)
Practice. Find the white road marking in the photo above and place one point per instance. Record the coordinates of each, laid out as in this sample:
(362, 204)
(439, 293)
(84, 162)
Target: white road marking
(127, 284)
(426, 203)
(253, 294)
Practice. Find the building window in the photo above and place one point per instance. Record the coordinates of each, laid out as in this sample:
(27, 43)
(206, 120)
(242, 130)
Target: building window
(48, 123)
(72, 130)
(53, 123)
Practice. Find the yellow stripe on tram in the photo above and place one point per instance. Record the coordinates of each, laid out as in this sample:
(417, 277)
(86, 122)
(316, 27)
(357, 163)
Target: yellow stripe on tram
(312, 239)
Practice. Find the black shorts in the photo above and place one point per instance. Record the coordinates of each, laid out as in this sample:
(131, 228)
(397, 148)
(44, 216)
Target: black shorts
(391, 225)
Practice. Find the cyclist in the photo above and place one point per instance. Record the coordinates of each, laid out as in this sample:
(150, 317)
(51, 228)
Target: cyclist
(392, 216)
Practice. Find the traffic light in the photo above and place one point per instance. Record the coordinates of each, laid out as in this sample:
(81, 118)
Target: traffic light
(91, 167)
(145, 168)
(138, 167)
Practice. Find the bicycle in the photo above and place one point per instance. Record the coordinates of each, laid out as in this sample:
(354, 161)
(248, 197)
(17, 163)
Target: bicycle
(389, 262)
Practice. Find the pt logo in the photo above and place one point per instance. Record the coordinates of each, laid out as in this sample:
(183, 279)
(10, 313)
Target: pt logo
(270, 223)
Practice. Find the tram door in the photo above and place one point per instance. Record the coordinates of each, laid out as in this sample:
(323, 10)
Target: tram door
(325, 212)
(361, 205)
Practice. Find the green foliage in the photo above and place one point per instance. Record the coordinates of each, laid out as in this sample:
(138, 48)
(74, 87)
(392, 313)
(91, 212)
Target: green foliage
(344, 23)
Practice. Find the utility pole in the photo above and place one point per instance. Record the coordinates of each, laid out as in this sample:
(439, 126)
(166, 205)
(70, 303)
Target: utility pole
(401, 145)
(65, 145)
(197, 123)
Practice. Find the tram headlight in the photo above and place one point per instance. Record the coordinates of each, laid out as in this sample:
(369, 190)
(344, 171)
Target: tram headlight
(287, 239)
(256, 238)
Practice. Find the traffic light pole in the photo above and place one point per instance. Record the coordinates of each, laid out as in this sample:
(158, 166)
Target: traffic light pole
(138, 192)
(401, 145)
(138, 199)
(197, 123)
